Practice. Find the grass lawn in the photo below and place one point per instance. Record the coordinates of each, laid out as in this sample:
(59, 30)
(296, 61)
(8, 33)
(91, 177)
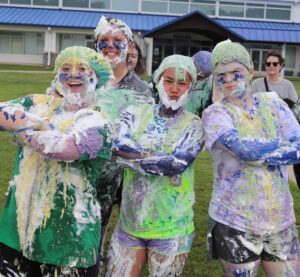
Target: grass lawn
(13, 85)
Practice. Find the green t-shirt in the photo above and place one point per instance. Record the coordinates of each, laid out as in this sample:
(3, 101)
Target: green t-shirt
(154, 205)
(200, 97)
(112, 102)
(51, 212)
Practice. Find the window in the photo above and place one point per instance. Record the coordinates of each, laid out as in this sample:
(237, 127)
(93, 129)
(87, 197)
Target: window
(155, 6)
(100, 4)
(29, 43)
(76, 3)
(278, 12)
(22, 43)
(128, 5)
(290, 57)
(3, 1)
(5, 42)
(22, 2)
(17, 44)
(231, 9)
(66, 40)
(168, 50)
(178, 7)
(255, 11)
(207, 7)
(45, 2)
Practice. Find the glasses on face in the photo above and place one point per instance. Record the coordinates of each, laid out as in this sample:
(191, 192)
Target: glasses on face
(104, 44)
(268, 64)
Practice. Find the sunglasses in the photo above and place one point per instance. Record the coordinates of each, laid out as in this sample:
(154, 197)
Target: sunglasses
(268, 64)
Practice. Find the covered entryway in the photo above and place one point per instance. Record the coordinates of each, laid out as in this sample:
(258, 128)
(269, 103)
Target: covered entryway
(187, 35)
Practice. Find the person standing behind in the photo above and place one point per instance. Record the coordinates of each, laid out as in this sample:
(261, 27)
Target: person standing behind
(135, 59)
(274, 63)
(200, 96)
(158, 144)
(112, 39)
(273, 81)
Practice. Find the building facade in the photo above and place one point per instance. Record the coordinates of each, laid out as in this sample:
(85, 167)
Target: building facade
(34, 31)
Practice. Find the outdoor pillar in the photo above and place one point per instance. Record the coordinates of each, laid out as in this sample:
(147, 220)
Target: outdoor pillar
(283, 53)
(49, 47)
(149, 55)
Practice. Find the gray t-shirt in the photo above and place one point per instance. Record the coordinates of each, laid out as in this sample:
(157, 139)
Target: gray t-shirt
(284, 89)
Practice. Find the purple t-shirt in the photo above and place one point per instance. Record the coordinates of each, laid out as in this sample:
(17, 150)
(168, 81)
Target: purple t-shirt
(251, 197)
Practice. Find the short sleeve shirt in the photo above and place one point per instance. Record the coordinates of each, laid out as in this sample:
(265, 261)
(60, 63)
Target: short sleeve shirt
(248, 196)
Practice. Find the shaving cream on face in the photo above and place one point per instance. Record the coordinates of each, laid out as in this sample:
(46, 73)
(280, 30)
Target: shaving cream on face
(240, 90)
(164, 98)
(233, 72)
(109, 28)
(120, 46)
(85, 98)
(123, 51)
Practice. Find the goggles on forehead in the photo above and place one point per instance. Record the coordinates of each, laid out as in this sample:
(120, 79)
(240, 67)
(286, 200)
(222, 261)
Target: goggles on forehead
(102, 44)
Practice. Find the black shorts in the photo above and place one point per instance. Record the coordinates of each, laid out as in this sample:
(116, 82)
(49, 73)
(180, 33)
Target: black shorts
(238, 247)
(13, 263)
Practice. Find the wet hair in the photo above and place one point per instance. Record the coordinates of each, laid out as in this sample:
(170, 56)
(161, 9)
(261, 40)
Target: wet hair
(275, 54)
(140, 67)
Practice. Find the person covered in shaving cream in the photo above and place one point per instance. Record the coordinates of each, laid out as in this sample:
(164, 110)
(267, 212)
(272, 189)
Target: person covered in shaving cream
(157, 145)
(200, 96)
(50, 224)
(112, 39)
(251, 139)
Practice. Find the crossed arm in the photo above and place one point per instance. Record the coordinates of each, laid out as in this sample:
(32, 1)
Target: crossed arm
(80, 140)
(150, 162)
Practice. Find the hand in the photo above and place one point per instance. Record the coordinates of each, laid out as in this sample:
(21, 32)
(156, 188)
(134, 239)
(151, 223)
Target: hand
(39, 124)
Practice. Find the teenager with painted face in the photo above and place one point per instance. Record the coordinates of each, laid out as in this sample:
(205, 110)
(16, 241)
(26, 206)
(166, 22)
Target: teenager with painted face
(251, 138)
(201, 94)
(112, 38)
(50, 224)
(157, 144)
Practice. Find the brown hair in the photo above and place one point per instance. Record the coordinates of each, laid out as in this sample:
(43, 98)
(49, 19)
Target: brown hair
(139, 68)
(275, 54)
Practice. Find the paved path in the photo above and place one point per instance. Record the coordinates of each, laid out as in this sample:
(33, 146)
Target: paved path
(27, 71)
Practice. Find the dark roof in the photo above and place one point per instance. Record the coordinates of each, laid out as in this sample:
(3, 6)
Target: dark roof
(199, 23)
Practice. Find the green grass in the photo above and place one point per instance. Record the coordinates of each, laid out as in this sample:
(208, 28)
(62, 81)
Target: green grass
(14, 85)
(25, 67)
